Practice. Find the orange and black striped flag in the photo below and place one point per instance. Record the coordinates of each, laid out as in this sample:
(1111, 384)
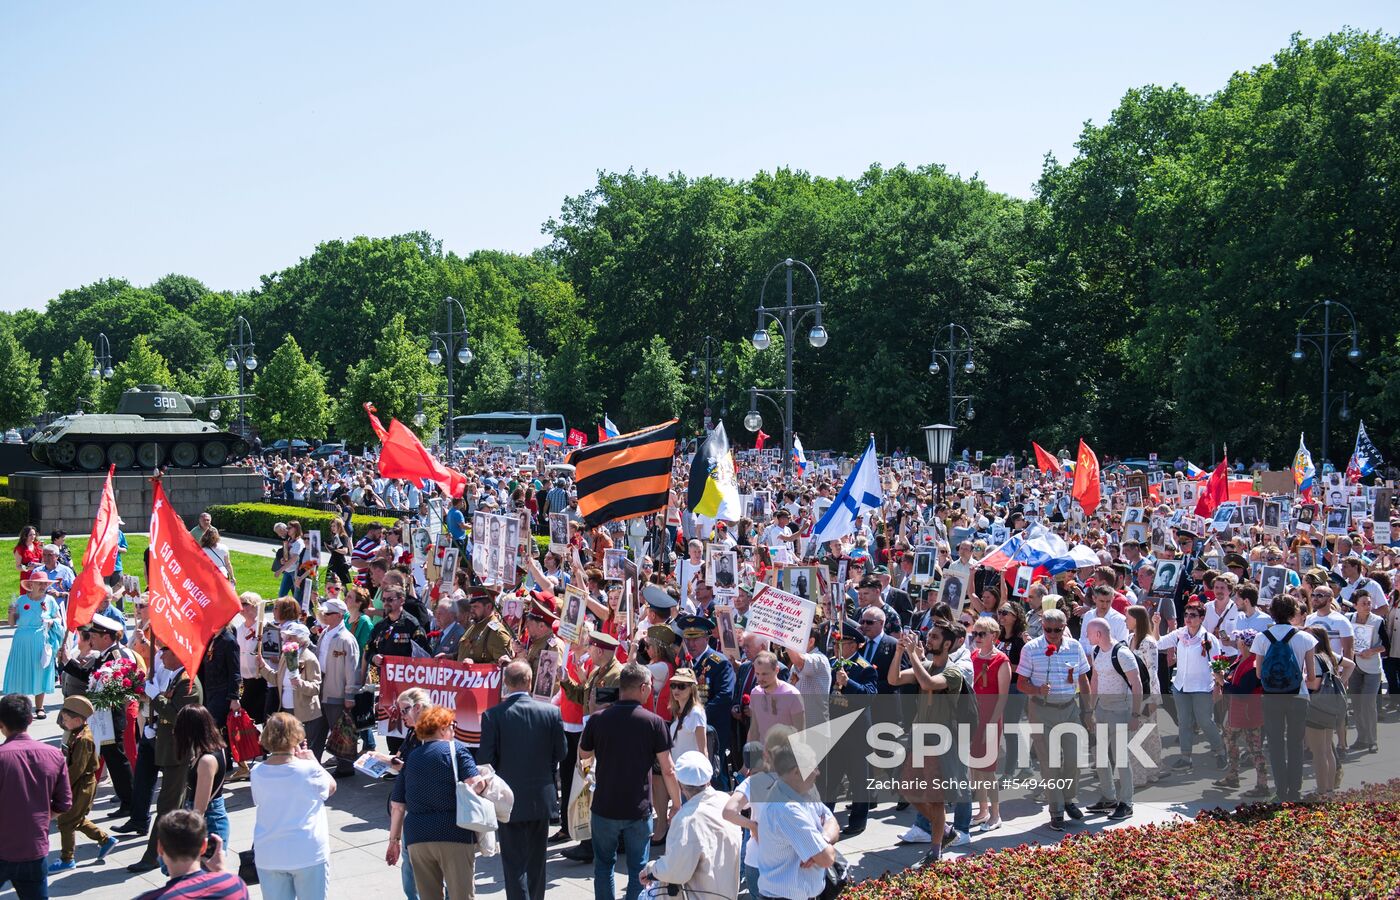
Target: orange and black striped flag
(626, 476)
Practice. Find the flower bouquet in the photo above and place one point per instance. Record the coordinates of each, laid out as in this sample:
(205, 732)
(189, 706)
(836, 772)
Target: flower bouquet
(291, 652)
(114, 683)
(1220, 664)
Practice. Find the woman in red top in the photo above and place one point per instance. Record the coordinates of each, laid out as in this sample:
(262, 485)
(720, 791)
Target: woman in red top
(991, 682)
(28, 552)
(1244, 719)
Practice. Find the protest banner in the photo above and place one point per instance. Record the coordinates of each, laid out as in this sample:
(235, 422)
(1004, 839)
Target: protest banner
(782, 618)
(468, 689)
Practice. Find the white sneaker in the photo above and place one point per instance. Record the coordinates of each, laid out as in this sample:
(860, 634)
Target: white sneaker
(960, 839)
(915, 835)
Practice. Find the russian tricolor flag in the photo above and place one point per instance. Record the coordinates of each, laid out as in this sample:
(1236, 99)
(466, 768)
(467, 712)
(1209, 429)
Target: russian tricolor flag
(1194, 471)
(607, 429)
(799, 457)
(551, 438)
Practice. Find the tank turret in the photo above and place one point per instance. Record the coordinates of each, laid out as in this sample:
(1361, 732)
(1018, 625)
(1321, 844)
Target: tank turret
(152, 427)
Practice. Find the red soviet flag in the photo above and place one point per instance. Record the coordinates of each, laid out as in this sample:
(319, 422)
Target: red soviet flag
(189, 597)
(1049, 465)
(99, 559)
(759, 439)
(577, 438)
(1217, 489)
(402, 455)
(1086, 479)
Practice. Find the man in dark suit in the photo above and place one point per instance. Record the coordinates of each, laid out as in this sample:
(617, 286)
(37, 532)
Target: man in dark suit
(182, 690)
(894, 597)
(878, 650)
(523, 739)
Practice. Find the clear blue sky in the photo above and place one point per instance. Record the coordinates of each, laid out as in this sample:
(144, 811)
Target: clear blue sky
(224, 140)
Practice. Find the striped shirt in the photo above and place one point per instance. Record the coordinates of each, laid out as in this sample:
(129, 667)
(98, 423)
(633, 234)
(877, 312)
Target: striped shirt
(198, 884)
(1059, 669)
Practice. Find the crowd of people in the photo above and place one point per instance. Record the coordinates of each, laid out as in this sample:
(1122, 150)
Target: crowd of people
(664, 737)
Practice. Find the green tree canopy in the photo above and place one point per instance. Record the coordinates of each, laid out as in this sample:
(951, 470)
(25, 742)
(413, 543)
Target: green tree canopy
(71, 382)
(657, 388)
(142, 365)
(21, 391)
(391, 378)
(291, 396)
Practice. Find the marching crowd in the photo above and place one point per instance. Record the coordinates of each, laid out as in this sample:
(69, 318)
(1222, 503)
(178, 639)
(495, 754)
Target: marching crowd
(659, 736)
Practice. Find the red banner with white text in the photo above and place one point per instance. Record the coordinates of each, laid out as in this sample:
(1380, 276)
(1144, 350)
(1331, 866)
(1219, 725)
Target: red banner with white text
(467, 689)
(189, 597)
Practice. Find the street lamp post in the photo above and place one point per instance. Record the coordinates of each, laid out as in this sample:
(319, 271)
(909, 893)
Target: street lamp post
(708, 358)
(240, 358)
(1326, 343)
(787, 317)
(530, 375)
(952, 356)
(102, 364)
(939, 439)
(453, 344)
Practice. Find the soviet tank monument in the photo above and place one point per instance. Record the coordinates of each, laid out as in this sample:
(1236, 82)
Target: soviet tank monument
(152, 427)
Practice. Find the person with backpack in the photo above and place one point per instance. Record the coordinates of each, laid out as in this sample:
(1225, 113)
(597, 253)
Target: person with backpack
(1282, 654)
(1115, 687)
(1193, 685)
(1327, 711)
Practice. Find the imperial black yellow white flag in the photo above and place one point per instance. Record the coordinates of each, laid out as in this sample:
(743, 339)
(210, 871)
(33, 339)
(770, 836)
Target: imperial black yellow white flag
(714, 489)
(626, 476)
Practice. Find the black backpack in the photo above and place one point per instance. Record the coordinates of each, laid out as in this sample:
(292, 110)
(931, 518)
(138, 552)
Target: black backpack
(1143, 673)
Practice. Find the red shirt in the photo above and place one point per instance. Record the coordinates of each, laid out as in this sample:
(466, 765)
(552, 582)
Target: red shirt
(33, 780)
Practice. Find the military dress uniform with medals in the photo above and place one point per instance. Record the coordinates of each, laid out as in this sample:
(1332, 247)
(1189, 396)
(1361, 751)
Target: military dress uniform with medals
(714, 674)
(862, 679)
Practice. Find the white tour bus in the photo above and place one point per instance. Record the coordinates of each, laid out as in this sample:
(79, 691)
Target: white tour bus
(515, 430)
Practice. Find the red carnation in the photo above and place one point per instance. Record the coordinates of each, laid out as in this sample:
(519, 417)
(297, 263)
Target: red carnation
(1050, 649)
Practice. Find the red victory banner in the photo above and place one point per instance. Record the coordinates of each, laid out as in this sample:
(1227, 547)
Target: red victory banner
(99, 559)
(467, 690)
(1086, 479)
(402, 455)
(190, 599)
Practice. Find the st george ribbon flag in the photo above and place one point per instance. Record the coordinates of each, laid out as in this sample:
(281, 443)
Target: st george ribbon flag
(99, 559)
(402, 455)
(1365, 457)
(860, 494)
(189, 597)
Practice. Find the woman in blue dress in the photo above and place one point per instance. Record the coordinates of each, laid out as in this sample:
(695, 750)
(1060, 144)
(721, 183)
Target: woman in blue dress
(34, 649)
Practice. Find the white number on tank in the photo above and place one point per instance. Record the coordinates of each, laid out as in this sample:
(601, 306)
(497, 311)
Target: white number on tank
(165, 403)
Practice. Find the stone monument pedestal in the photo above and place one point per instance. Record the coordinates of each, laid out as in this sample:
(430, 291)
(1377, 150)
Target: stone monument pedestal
(68, 500)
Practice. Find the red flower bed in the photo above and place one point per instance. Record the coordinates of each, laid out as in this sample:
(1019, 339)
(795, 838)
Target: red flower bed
(1347, 847)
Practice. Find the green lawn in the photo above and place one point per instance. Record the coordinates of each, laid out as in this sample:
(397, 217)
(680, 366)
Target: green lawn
(254, 572)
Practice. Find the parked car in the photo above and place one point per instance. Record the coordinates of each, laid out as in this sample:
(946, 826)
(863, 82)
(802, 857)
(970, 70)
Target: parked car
(296, 447)
(325, 451)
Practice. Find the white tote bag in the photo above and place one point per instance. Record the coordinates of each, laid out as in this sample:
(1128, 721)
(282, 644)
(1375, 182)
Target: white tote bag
(474, 812)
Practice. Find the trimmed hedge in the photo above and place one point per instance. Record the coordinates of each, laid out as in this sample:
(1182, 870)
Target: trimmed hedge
(256, 519)
(14, 515)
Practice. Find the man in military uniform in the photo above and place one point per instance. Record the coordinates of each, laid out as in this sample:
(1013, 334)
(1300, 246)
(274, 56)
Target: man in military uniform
(539, 631)
(852, 674)
(598, 689)
(487, 638)
(397, 631)
(715, 675)
(660, 607)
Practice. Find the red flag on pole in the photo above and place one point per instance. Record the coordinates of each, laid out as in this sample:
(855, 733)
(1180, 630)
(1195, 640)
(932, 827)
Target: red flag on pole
(1086, 479)
(759, 439)
(190, 599)
(402, 455)
(1217, 489)
(577, 438)
(1048, 464)
(99, 559)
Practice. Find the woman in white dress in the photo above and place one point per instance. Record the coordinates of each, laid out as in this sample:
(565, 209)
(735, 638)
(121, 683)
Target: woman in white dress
(1142, 640)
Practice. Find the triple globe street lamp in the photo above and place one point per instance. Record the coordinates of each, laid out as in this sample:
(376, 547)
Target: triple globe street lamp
(788, 318)
(240, 357)
(1327, 342)
(449, 346)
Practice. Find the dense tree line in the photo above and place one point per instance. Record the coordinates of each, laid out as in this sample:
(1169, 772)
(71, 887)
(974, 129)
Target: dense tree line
(1146, 297)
